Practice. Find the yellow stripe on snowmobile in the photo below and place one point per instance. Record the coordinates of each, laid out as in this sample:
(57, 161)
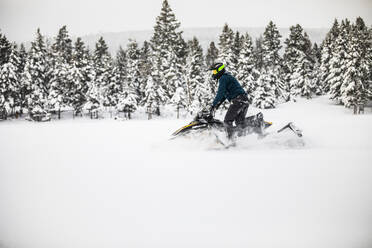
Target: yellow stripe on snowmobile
(191, 124)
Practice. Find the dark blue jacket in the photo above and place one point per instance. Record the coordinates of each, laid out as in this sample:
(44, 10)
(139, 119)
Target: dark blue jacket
(228, 88)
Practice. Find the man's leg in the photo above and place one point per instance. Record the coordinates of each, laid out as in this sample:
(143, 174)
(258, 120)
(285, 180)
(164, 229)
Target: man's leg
(236, 112)
(240, 119)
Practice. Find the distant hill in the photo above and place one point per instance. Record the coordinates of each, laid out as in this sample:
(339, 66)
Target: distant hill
(205, 36)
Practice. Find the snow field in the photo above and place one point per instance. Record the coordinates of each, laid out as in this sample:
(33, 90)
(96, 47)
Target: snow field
(105, 183)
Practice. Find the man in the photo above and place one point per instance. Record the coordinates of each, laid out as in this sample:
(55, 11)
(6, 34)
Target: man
(229, 88)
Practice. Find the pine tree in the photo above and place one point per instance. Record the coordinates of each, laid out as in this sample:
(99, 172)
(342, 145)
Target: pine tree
(298, 64)
(82, 74)
(236, 48)
(302, 79)
(171, 75)
(58, 86)
(271, 46)
(337, 64)
(198, 88)
(121, 68)
(317, 86)
(5, 49)
(179, 100)
(194, 68)
(144, 67)
(23, 87)
(60, 72)
(134, 80)
(126, 97)
(97, 97)
(212, 54)
(316, 53)
(154, 96)
(354, 87)
(36, 76)
(271, 58)
(258, 54)
(10, 84)
(327, 49)
(168, 51)
(63, 45)
(246, 67)
(151, 96)
(369, 61)
(265, 92)
(226, 54)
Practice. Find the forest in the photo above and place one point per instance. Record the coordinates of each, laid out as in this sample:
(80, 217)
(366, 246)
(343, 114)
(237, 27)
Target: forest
(60, 74)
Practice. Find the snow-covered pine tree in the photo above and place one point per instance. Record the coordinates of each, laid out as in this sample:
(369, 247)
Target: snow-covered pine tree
(297, 64)
(36, 76)
(168, 51)
(327, 48)
(291, 55)
(265, 92)
(369, 59)
(271, 58)
(58, 86)
(133, 78)
(302, 79)
(154, 95)
(317, 86)
(202, 98)
(198, 87)
(121, 68)
(194, 69)
(316, 53)
(10, 85)
(23, 87)
(5, 49)
(212, 54)
(365, 49)
(246, 67)
(171, 75)
(226, 53)
(131, 85)
(258, 54)
(82, 74)
(150, 96)
(179, 100)
(102, 65)
(144, 67)
(236, 48)
(114, 90)
(337, 64)
(354, 87)
(60, 82)
(63, 45)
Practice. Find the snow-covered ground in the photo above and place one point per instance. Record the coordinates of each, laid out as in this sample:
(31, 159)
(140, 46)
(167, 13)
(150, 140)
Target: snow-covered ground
(106, 183)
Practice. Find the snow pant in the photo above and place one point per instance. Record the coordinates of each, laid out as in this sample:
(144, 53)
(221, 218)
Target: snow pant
(236, 112)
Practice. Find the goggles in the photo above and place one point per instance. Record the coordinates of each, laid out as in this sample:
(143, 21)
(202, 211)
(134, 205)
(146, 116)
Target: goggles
(215, 71)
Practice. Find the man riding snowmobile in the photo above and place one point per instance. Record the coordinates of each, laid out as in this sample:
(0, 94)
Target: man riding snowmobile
(229, 88)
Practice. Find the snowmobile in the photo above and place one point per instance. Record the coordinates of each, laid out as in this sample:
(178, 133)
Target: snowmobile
(252, 124)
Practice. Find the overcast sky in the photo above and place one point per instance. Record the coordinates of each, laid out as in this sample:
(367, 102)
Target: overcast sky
(19, 19)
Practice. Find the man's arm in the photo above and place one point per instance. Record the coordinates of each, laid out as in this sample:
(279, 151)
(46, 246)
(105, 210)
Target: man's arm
(220, 97)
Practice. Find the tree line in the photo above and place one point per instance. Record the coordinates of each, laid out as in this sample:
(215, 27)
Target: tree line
(61, 74)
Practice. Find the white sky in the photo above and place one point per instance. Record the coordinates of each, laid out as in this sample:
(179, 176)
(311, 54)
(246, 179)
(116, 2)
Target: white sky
(19, 19)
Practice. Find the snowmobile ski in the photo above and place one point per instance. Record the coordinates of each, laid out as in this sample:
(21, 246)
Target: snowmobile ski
(291, 127)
